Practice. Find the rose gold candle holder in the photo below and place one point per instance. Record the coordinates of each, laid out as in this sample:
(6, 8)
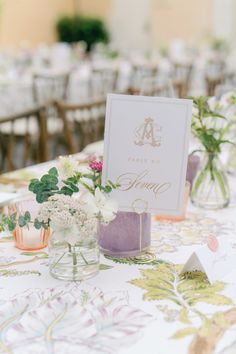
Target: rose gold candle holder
(182, 216)
(28, 238)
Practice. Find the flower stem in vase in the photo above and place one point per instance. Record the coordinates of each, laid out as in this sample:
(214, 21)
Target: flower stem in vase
(82, 256)
(72, 251)
(74, 257)
(59, 259)
(210, 187)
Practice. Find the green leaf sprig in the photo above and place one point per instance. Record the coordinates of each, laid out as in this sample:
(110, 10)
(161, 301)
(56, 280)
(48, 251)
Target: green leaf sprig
(3, 222)
(205, 127)
(48, 186)
(23, 220)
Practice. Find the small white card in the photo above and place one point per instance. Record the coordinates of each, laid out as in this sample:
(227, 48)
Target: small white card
(216, 259)
(146, 150)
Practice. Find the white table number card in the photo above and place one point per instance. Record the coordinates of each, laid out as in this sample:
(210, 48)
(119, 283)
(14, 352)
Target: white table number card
(146, 150)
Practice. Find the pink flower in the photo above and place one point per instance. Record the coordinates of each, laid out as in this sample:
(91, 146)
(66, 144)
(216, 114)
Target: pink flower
(96, 165)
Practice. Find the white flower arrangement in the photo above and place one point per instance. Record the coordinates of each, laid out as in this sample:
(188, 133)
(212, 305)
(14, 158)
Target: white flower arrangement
(75, 216)
(72, 201)
(73, 219)
(68, 218)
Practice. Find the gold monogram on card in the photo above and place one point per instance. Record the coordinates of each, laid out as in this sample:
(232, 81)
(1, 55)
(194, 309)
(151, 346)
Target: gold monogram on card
(148, 133)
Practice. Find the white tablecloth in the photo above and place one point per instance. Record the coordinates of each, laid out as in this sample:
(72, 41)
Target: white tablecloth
(137, 305)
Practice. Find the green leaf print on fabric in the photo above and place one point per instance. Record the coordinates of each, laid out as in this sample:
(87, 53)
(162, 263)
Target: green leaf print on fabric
(147, 258)
(165, 283)
(17, 273)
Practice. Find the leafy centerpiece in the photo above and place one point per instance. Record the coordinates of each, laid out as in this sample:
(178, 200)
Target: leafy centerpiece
(210, 187)
(71, 204)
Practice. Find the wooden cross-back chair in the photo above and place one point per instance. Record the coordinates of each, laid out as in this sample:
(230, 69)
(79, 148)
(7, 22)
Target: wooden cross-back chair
(139, 72)
(179, 88)
(181, 76)
(215, 75)
(83, 123)
(212, 83)
(103, 81)
(48, 88)
(228, 84)
(23, 139)
(155, 87)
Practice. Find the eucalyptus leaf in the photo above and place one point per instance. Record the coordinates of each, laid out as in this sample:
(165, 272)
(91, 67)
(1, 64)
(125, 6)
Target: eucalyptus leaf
(53, 171)
(21, 221)
(37, 224)
(13, 216)
(66, 191)
(32, 184)
(74, 188)
(11, 226)
(27, 216)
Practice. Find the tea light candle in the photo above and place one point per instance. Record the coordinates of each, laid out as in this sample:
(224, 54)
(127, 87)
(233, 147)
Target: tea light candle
(28, 238)
(31, 237)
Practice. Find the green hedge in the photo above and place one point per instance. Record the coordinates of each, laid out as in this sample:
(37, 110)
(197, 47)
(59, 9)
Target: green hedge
(73, 29)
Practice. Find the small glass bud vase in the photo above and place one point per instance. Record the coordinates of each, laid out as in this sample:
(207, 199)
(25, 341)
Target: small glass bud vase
(210, 188)
(128, 235)
(73, 262)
